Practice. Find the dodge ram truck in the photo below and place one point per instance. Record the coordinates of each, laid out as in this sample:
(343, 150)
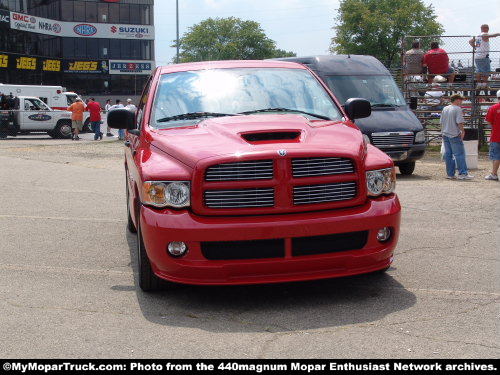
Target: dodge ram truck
(247, 172)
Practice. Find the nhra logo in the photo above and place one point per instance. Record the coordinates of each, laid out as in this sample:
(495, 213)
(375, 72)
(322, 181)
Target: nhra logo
(85, 29)
(114, 29)
(40, 117)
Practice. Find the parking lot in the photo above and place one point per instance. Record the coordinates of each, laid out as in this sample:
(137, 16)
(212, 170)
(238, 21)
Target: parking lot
(67, 281)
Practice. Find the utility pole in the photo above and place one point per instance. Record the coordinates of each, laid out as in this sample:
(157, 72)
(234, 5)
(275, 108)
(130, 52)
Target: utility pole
(177, 21)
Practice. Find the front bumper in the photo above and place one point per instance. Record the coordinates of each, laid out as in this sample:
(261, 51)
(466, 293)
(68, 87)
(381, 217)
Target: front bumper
(407, 155)
(161, 227)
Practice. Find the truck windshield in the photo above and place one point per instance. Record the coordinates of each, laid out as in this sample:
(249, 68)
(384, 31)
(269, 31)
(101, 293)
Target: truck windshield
(222, 92)
(381, 91)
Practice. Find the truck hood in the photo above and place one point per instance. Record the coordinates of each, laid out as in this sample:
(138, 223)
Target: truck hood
(390, 119)
(257, 134)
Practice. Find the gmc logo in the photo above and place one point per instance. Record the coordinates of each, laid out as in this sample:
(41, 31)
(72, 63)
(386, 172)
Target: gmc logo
(24, 18)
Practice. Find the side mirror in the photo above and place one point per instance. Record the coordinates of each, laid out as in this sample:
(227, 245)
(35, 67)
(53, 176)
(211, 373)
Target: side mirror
(358, 108)
(413, 103)
(121, 119)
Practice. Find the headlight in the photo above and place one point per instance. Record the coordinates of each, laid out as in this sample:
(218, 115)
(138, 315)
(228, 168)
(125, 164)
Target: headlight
(367, 139)
(166, 194)
(420, 137)
(382, 181)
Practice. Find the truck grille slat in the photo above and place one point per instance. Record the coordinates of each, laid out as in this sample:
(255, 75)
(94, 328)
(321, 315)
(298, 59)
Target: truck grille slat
(314, 194)
(385, 140)
(245, 170)
(310, 167)
(244, 198)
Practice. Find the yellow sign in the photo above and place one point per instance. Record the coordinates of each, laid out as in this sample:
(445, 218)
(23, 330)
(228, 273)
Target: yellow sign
(28, 63)
(52, 65)
(84, 66)
(4, 61)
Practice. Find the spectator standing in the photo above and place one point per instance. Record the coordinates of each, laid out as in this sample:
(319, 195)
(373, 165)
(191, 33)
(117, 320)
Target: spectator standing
(452, 129)
(436, 61)
(493, 118)
(413, 59)
(95, 118)
(106, 109)
(131, 106)
(77, 109)
(481, 45)
(119, 105)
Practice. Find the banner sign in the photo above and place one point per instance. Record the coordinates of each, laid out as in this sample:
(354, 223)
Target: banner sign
(131, 67)
(85, 66)
(4, 18)
(29, 63)
(24, 22)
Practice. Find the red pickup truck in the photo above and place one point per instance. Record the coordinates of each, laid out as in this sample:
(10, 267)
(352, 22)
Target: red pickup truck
(246, 172)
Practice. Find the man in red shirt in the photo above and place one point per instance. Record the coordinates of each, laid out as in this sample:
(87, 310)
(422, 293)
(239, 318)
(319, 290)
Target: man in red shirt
(437, 62)
(95, 118)
(493, 118)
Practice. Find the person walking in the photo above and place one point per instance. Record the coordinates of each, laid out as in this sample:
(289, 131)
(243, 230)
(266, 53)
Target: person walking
(119, 105)
(436, 61)
(107, 106)
(481, 45)
(95, 118)
(493, 118)
(77, 109)
(452, 129)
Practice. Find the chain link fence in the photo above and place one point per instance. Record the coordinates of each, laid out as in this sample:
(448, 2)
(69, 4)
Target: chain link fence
(458, 69)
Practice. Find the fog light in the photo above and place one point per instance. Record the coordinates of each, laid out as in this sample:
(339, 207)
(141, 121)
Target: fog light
(177, 249)
(384, 234)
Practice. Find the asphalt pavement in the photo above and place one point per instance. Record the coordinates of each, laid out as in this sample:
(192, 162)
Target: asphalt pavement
(68, 287)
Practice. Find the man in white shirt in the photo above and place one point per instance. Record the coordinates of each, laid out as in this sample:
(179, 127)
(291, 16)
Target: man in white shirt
(130, 106)
(481, 45)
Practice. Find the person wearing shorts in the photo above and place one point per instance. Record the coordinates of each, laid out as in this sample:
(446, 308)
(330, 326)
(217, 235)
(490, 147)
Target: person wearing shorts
(77, 109)
(481, 45)
(493, 118)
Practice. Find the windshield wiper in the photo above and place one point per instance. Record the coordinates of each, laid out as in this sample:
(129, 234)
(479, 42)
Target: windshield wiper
(285, 110)
(383, 105)
(194, 115)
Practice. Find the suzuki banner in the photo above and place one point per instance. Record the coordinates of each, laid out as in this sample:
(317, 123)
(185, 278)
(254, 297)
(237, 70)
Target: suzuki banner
(24, 22)
(131, 67)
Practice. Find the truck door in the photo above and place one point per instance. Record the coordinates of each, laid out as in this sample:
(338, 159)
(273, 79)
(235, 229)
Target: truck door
(35, 115)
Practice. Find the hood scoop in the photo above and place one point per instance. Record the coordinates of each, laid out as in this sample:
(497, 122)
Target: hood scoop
(269, 136)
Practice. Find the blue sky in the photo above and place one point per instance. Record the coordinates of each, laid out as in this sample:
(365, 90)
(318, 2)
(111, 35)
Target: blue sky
(304, 26)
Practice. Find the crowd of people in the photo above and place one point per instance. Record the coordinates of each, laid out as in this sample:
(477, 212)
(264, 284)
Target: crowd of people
(97, 113)
(436, 61)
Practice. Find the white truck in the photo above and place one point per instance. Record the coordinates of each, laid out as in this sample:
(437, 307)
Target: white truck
(56, 97)
(32, 115)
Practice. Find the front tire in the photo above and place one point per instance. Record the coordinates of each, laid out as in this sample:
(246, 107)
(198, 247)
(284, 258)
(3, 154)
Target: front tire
(130, 223)
(148, 281)
(64, 130)
(407, 169)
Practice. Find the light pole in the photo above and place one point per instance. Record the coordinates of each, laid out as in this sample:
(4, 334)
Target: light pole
(177, 22)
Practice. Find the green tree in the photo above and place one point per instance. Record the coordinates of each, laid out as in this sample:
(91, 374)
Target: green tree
(376, 27)
(227, 39)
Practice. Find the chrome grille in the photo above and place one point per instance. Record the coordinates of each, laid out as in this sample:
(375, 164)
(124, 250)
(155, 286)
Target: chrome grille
(310, 167)
(313, 194)
(245, 170)
(401, 139)
(242, 198)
